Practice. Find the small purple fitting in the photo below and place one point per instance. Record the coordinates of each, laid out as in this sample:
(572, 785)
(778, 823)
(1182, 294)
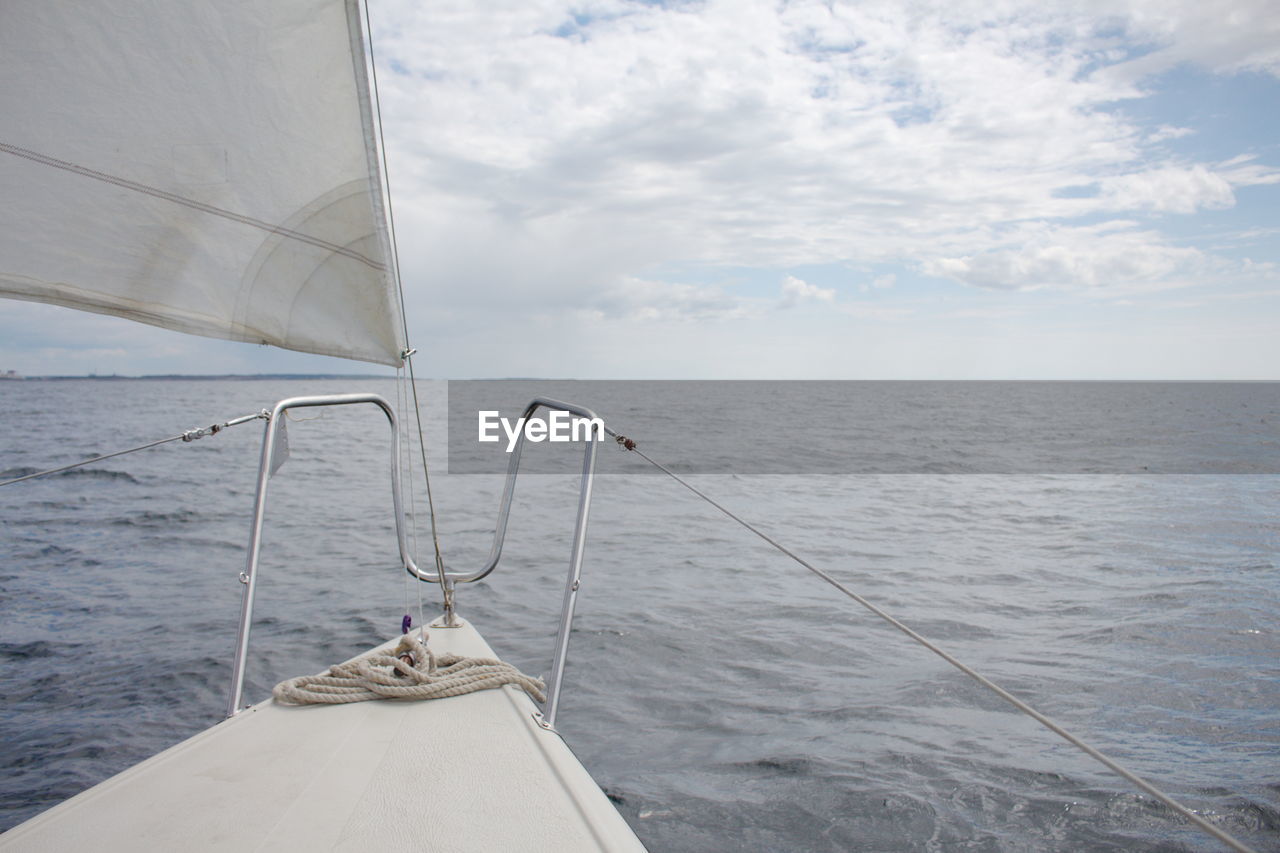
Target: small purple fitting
(406, 623)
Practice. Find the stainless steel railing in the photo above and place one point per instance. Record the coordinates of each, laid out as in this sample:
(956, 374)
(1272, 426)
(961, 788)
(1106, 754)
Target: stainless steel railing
(448, 580)
(269, 461)
(574, 580)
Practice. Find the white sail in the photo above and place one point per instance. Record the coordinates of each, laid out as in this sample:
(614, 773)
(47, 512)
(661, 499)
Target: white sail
(208, 167)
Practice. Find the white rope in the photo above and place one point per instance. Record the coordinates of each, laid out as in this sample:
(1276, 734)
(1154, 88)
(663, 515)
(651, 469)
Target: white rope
(1052, 726)
(412, 671)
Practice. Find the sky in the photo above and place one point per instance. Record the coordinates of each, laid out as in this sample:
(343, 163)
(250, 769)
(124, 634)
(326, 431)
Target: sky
(777, 190)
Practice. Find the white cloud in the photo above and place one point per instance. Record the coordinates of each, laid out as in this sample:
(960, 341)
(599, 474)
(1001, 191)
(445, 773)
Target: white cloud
(795, 291)
(1242, 171)
(1005, 312)
(557, 160)
(1119, 259)
(1164, 131)
(744, 133)
(880, 282)
(649, 301)
(1170, 189)
(1243, 35)
(879, 313)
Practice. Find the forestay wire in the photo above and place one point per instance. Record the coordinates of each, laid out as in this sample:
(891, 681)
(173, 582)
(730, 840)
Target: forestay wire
(1052, 726)
(406, 466)
(409, 351)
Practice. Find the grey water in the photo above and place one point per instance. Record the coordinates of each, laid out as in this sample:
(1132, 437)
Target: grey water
(724, 698)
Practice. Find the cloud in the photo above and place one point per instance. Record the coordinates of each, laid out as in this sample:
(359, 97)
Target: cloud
(1257, 233)
(879, 313)
(795, 291)
(1164, 131)
(738, 134)
(1226, 38)
(880, 282)
(559, 156)
(1112, 256)
(1170, 189)
(1242, 171)
(651, 301)
(991, 313)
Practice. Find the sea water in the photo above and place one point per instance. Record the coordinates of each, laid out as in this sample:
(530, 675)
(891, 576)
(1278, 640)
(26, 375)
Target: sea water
(1124, 582)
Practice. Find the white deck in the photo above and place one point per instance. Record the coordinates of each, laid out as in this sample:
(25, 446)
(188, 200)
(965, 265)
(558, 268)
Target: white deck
(471, 772)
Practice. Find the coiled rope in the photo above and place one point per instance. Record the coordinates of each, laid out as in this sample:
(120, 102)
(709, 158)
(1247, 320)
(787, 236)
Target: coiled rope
(188, 436)
(412, 671)
(1227, 839)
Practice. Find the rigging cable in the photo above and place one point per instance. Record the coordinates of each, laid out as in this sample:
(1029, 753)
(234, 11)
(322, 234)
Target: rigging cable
(188, 436)
(402, 411)
(407, 355)
(406, 471)
(1224, 837)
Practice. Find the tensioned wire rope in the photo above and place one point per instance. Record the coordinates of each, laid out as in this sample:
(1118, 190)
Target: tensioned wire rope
(406, 473)
(188, 436)
(409, 351)
(1098, 755)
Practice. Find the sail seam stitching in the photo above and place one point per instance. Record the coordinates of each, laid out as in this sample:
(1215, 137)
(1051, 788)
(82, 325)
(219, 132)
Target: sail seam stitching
(125, 183)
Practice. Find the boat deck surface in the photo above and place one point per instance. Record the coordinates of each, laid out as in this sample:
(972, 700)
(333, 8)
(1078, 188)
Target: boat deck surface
(473, 772)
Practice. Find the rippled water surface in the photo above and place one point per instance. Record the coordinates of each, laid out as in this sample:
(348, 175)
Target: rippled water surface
(724, 698)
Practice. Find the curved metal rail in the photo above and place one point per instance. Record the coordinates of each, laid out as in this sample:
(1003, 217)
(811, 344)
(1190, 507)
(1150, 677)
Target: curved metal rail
(447, 580)
(574, 580)
(249, 577)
